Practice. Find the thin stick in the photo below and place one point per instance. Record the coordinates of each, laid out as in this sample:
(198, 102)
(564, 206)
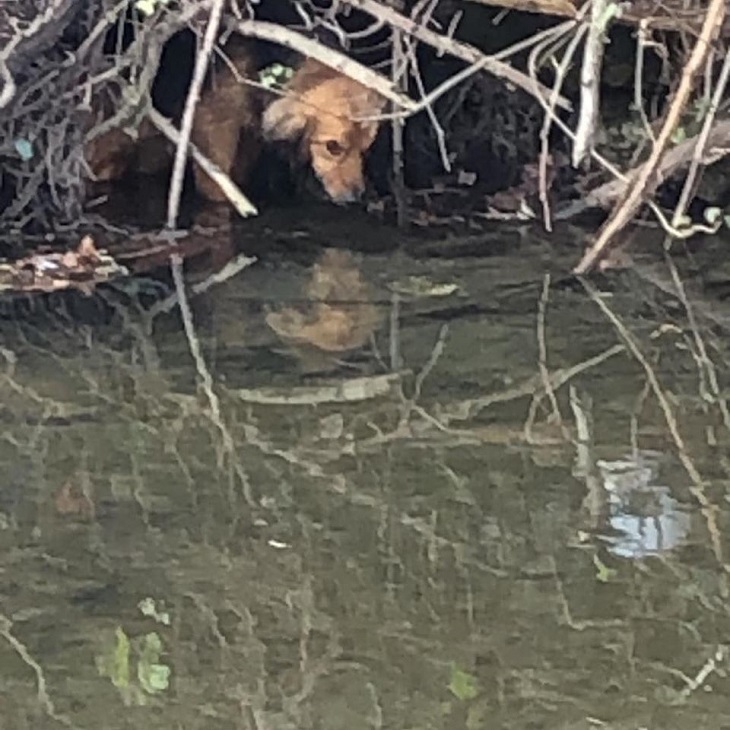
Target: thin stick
(428, 103)
(23, 34)
(231, 269)
(560, 74)
(238, 200)
(44, 699)
(396, 363)
(191, 102)
(399, 77)
(639, 76)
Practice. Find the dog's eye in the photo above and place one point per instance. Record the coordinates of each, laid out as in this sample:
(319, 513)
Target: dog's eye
(334, 147)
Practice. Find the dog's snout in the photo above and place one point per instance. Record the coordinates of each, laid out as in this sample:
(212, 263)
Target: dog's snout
(350, 195)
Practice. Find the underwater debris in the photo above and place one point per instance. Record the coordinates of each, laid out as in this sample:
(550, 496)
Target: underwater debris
(82, 268)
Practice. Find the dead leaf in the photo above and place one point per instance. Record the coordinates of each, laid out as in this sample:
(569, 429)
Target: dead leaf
(71, 501)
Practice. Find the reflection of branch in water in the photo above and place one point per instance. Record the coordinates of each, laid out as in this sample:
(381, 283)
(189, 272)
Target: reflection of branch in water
(207, 384)
(707, 371)
(468, 409)
(394, 346)
(346, 391)
(42, 690)
(635, 414)
(585, 460)
(411, 403)
(444, 417)
(711, 665)
(709, 510)
(549, 391)
(338, 483)
(231, 269)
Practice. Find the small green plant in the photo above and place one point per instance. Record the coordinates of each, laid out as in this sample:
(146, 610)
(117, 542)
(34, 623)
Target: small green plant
(119, 653)
(276, 75)
(463, 685)
(148, 7)
(604, 574)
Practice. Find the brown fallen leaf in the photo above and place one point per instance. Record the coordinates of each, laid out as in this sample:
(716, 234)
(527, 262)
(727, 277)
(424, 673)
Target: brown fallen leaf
(87, 250)
(70, 260)
(70, 500)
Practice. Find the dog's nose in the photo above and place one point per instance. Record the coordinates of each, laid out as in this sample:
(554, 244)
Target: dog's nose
(351, 195)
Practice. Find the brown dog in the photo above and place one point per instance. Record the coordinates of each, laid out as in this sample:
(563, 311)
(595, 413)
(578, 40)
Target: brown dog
(329, 113)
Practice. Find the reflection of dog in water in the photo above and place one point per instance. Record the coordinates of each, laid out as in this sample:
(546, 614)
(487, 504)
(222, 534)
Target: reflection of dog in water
(323, 110)
(341, 315)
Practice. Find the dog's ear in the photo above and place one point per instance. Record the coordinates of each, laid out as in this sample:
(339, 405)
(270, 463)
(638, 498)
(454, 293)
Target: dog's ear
(369, 132)
(284, 119)
(369, 105)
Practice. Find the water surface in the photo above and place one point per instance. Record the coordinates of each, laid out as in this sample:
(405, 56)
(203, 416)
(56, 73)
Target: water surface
(408, 534)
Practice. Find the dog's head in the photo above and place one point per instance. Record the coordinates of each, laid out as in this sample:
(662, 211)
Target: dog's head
(329, 113)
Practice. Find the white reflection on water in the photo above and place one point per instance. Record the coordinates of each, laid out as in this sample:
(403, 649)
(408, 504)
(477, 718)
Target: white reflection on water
(646, 518)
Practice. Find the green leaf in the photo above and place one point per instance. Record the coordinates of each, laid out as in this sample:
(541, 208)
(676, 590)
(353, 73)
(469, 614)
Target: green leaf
(603, 573)
(275, 75)
(679, 135)
(114, 662)
(463, 685)
(148, 7)
(712, 214)
(153, 678)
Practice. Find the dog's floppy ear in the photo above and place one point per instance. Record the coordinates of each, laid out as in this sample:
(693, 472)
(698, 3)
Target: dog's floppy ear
(284, 119)
(367, 105)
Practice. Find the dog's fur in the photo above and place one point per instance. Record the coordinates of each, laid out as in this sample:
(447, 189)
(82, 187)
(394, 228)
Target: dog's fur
(113, 153)
(226, 127)
(321, 109)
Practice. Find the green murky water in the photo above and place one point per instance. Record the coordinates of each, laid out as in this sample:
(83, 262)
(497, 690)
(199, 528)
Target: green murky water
(413, 534)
